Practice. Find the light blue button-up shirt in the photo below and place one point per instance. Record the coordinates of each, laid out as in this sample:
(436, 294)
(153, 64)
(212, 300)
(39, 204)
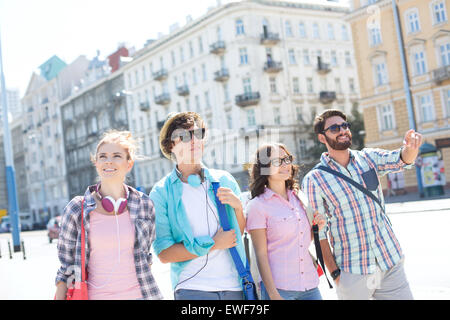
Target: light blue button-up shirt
(172, 224)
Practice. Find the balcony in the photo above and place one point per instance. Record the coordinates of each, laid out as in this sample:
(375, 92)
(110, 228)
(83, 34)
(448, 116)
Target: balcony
(160, 124)
(222, 75)
(269, 38)
(322, 68)
(273, 67)
(183, 90)
(247, 99)
(160, 75)
(144, 106)
(327, 97)
(217, 47)
(441, 74)
(163, 99)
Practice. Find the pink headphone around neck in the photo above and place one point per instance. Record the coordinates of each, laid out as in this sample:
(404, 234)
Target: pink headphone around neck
(109, 204)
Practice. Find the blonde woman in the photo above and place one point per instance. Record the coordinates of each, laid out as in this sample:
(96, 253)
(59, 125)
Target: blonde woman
(119, 230)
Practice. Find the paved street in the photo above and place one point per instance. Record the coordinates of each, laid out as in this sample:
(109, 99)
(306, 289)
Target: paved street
(421, 228)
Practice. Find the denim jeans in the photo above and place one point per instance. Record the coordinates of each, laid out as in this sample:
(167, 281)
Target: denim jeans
(186, 294)
(313, 294)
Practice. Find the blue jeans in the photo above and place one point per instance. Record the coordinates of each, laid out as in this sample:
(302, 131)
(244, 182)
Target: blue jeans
(313, 294)
(186, 294)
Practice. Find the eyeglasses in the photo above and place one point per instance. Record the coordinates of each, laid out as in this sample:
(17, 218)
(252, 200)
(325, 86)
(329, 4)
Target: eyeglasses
(279, 161)
(336, 128)
(186, 135)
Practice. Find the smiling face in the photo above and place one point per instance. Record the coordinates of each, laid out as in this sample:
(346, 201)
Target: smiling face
(341, 140)
(189, 151)
(112, 162)
(283, 171)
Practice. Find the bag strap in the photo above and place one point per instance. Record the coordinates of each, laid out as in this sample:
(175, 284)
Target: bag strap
(353, 183)
(319, 255)
(83, 249)
(243, 272)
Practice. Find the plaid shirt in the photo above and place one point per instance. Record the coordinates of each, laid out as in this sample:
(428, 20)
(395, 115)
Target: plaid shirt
(142, 215)
(360, 234)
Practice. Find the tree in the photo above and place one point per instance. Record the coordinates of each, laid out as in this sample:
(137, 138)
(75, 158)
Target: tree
(358, 132)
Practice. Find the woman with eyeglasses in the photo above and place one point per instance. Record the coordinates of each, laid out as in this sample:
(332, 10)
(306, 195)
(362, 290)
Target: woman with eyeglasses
(280, 229)
(188, 231)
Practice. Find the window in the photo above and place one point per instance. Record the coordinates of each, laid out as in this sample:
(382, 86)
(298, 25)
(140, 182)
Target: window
(200, 44)
(444, 51)
(309, 85)
(306, 60)
(348, 59)
(330, 29)
(181, 55)
(375, 35)
(251, 121)
(299, 111)
(381, 74)
(226, 92)
(387, 117)
(296, 85)
(204, 73)
(344, 33)
(144, 74)
(229, 120)
(194, 76)
(288, 29)
(351, 85)
(247, 85)
(419, 63)
(316, 34)
(243, 57)
(302, 30)
(191, 49)
(337, 84)
(239, 27)
(276, 115)
(439, 14)
(447, 102)
(136, 73)
(197, 104)
(333, 58)
(207, 102)
(412, 21)
(303, 149)
(426, 108)
(273, 84)
(291, 54)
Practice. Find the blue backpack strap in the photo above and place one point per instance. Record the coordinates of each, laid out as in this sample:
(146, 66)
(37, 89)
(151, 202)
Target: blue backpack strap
(244, 272)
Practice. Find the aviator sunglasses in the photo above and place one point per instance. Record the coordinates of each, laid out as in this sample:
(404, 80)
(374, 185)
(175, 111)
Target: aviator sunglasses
(336, 128)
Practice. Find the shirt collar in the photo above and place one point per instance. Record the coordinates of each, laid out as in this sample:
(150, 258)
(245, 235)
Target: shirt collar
(173, 177)
(268, 193)
(326, 159)
(90, 200)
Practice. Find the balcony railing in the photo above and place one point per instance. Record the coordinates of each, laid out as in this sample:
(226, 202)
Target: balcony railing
(270, 38)
(162, 99)
(221, 75)
(441, 74)
(160, 75)
(217, 47)
(183, 90)
(144, 106)
(273, 66)
(322, 68)
(326, 97)
(247, 99)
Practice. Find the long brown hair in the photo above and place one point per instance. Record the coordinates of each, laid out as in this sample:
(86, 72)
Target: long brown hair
(258, 180)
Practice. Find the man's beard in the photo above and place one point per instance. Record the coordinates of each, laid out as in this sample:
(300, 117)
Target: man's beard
(335, 145)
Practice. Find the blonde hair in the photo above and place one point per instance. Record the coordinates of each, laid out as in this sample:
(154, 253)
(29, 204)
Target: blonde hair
(123, 138)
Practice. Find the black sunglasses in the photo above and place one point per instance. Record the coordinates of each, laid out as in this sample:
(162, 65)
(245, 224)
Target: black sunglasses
(279, 161)
(336, 128)
(186, 135)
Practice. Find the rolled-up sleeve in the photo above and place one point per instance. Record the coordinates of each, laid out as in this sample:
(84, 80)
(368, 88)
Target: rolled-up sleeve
(386, 161)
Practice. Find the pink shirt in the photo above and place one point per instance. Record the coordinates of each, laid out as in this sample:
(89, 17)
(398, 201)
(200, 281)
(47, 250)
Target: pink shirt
(107, 278)
(288, 238)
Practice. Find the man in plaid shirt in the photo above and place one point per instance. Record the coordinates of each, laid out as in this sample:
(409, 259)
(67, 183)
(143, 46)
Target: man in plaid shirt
(367, 261)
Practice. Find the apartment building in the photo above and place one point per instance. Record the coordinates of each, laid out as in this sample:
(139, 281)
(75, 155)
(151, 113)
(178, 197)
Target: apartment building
(425, 33)
(254, 70)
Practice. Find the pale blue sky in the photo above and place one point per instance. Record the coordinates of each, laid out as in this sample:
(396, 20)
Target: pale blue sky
(34, 30)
